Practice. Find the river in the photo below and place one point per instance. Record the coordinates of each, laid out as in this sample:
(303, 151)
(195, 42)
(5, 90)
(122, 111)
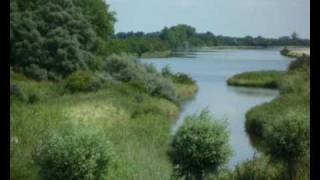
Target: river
(211, 69)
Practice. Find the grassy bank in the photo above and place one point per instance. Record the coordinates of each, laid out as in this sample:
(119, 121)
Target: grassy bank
(157, 54)
(280, 128)
(266, 79)
(135, 122)
(295, 52)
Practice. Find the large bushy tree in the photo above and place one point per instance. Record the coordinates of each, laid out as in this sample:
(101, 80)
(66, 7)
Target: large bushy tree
(57, 36)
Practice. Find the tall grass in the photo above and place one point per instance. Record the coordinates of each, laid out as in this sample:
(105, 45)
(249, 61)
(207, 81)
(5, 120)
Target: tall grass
(266, 79)
(136, 123)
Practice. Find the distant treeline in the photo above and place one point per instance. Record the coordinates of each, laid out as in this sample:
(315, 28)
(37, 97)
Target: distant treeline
(185, 36)
(54, 38)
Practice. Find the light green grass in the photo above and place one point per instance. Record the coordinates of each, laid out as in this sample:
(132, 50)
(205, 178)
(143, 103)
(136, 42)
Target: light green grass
(137, 124)
(266, 79)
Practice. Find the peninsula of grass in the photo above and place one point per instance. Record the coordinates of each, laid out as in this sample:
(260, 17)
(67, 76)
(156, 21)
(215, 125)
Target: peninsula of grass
(265, 79)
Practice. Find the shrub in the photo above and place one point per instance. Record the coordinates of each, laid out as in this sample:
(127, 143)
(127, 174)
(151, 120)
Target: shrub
(285, 51)
(183, 78)
(34, 72)
(123, 68)
(33, 98)
(166, 71)
(160, 87)
(16, 91)
(258, 169)
(300, 62)
(82, 81)
(200, 146)
(75, 153)
(288, 141)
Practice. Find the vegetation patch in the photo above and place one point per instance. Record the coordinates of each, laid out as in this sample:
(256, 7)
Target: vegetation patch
(200, 147)
(282, 126)
(266, 79)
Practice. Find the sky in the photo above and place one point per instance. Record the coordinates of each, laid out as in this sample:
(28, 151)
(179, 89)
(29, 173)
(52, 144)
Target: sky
(268, 18)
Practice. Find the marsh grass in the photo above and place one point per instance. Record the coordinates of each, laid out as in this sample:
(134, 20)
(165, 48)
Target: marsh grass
(136, 123)
(266, 79)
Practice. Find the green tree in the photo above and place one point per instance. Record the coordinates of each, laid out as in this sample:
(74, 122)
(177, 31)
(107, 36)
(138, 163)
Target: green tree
(55, 37)
(100, 17)
(200, 146)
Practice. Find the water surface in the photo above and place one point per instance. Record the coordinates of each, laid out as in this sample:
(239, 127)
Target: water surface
(211, 69)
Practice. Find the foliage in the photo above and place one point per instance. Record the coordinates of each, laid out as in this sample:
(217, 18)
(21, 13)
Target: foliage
(285, 51)
(258, 169)
(200, 146)
(57, 36)
(267, 79)
(183, 78)
(144, 77)
(33, 71)
(16, 91)
(160, 87)
(100, 17)
(283, 125)
(82, 81)
(123, 68)
(166, 71)
(33, 98)
(75, 153)
(300, 62)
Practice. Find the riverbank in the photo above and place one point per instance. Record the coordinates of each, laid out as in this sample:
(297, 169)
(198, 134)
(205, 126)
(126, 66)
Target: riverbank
(280, 128)
(295, 52)
(136, 123)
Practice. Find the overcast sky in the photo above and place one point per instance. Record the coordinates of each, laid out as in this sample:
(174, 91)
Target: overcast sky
(268, 18)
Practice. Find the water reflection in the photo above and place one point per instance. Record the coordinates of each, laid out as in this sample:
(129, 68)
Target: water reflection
(252, 92)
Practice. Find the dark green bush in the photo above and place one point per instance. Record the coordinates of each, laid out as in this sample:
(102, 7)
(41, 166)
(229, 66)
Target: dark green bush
(33, 98)
(200, 147)
(123, 68)
(285, 51)
(35, 72)
(82, 81)
(182, 78)
(160, 87)
(258, 169)
(288, 141)
(75, 153)
(17, 93)
(166, 71)
(300, 62)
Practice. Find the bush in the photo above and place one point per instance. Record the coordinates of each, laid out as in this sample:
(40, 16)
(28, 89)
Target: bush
(34, 72)
(182, 78)
(76, 153)
(123, 68)
(288, 141)
(200, 146)
(258, 169)
(16, 91)
(166, 71)
(33, 98)
(285, 51)
(300, 62)
(82, 81)
(160, 87)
